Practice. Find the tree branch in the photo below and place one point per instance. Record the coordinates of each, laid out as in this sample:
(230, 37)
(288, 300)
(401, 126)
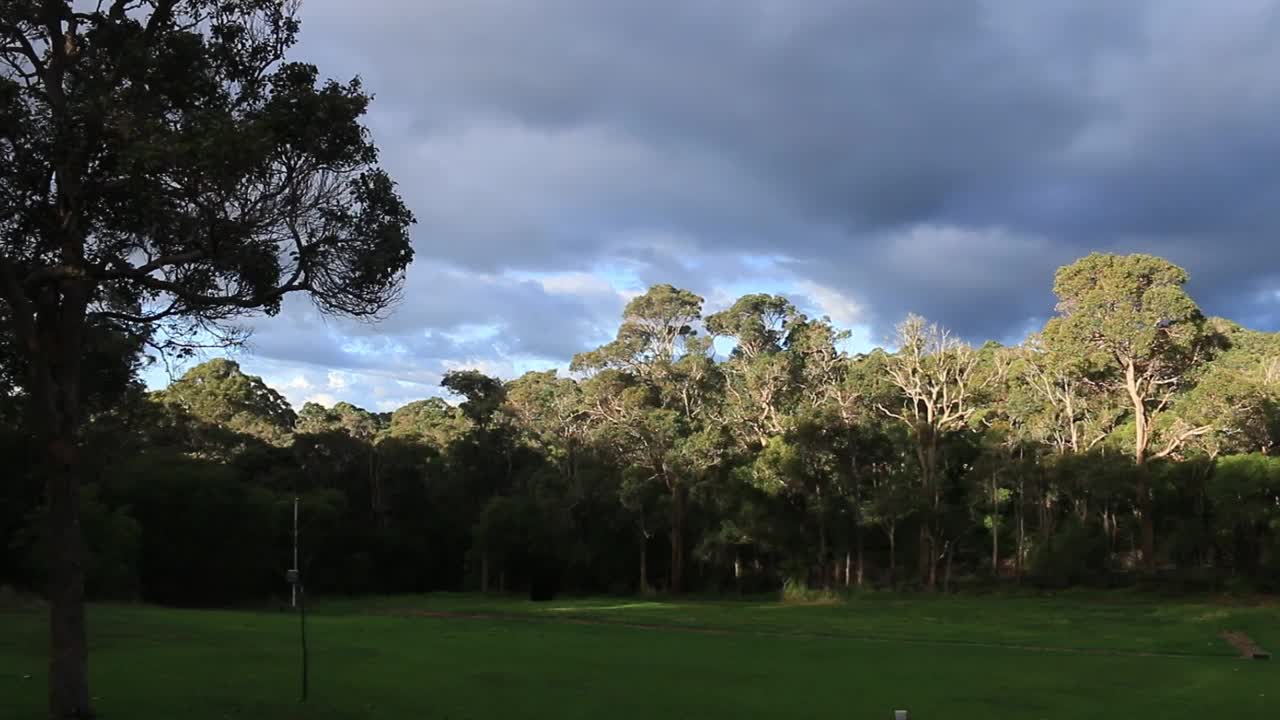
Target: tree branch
(20, 309)
(24, 45)
(1178, 440)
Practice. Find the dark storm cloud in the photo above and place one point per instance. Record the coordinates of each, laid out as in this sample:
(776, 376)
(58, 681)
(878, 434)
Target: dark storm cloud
(936, 157)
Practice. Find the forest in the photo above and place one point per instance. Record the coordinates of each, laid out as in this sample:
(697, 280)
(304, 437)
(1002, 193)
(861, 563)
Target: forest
(1131, 440)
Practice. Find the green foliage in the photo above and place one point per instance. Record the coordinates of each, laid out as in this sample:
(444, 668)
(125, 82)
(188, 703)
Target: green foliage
(798, 591)
(217, 394)
(789, 465)
(1075, 555)
(1126, 321)
(112, 568)
(484, 395)
(207, 538)
(757, 323)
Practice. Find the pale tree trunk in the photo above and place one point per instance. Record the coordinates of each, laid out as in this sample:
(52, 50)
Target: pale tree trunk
(861, 572)
(848, 568)
(1141, 440)
(1022, 532)
(995, 527)
(946, 577)
(1071, 418)
(933, 570)
(1109, 527)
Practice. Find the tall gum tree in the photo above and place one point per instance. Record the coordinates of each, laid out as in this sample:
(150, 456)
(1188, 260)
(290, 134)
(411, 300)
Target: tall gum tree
(759, 376)
(933, 373)
(649, 399)
(162, 164)
(1129, 321)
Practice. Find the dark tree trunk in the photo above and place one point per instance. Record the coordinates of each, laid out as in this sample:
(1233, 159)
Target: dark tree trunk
(893, 556)
(737, 569)
(644, 564)
(823, 578)
(54, 354)
(924, 558)
(1147, 519)
(932, 584)
(679, 499)
(68, 648)
(946, 577)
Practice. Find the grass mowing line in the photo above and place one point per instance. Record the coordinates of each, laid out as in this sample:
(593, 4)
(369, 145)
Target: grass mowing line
(574, 619)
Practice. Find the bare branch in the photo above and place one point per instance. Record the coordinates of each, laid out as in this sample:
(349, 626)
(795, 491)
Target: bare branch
(1178, 440)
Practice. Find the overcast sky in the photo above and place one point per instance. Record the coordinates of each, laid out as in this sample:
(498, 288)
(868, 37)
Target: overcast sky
(865, 157)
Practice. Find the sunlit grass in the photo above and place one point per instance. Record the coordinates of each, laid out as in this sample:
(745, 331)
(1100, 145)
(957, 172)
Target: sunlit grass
(958, 658)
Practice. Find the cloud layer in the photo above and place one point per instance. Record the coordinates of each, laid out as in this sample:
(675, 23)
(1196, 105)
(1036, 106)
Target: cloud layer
(870, 158)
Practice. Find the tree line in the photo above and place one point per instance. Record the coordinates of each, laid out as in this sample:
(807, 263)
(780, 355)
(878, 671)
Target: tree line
(1132, 435)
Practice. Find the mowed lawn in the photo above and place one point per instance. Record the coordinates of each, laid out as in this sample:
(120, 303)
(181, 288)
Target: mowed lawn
(443, 656)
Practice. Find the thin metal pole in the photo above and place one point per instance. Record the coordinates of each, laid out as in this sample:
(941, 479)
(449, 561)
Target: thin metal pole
(303, 615)
(293, 592)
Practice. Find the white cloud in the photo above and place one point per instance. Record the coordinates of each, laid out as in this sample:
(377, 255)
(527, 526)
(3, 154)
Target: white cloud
(298, 382)
(499, 368)
(576, 283)
(842, 309)
(324, 399)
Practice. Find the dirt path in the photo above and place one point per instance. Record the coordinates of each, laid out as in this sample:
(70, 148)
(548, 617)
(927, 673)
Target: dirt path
(700, 630)
(1249, 649)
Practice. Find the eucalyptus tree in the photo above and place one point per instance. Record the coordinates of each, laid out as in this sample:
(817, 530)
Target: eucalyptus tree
(760, 378)
(1237, 394)
(934, 376)
(890, 496)
(549, 412)
(344, 440)
(1128, 321)
(650, 396)
(163, 163)
(220, 397)
(431, 422)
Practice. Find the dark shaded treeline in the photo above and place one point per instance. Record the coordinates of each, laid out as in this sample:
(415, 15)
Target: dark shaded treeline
(1132, 436)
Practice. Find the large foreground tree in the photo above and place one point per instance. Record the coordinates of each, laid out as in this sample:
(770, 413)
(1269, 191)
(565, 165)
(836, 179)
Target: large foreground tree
(162, 165)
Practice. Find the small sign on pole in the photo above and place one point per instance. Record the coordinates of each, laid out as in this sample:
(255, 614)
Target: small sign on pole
(901, 715)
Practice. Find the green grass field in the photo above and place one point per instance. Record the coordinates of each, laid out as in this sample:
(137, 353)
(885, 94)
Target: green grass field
(946, 658)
